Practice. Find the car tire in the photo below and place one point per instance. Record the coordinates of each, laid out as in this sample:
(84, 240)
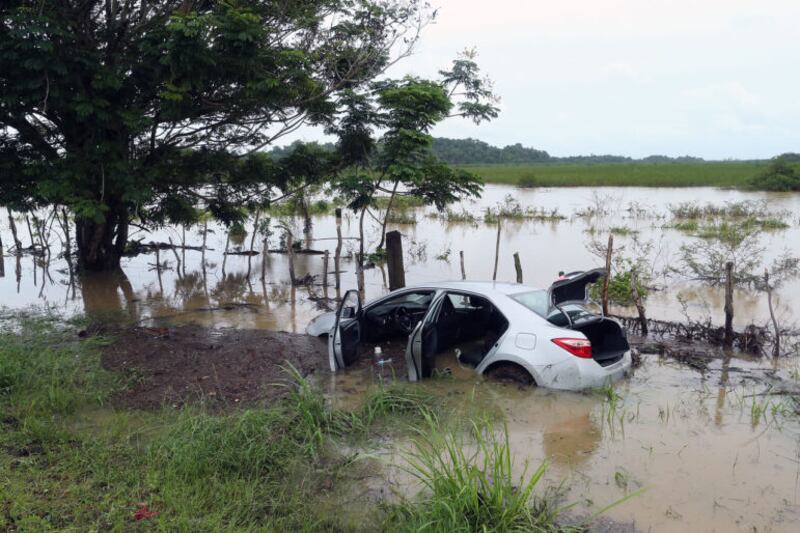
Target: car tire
(509, 372)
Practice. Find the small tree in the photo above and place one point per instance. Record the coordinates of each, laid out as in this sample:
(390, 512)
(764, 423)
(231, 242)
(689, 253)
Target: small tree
(399, 160)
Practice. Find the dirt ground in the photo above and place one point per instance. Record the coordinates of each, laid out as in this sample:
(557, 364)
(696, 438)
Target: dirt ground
(176, 365)
(191, 363)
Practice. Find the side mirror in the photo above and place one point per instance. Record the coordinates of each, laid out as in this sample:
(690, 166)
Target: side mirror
(348, 312)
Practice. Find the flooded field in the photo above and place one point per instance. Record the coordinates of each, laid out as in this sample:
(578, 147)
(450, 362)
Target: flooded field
(706, 451)
(717, 450)
(558, 237)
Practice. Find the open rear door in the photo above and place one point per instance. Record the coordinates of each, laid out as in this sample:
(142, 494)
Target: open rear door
(345, 340)
(423, 343)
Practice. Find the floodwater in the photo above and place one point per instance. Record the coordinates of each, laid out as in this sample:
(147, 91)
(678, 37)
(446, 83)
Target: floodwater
(712, 451)
(698, 451)
(223, 294)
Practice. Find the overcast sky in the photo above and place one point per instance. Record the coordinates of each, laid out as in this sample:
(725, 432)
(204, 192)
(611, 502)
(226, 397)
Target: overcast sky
(711, 78)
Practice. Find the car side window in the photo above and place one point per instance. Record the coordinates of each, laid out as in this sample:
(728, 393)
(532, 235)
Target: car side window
(414, 299)
(465, 301)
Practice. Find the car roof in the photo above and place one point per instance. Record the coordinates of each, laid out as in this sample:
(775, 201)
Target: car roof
(482, 287)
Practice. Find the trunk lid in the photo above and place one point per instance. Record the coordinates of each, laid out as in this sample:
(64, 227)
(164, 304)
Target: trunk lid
(575, 288)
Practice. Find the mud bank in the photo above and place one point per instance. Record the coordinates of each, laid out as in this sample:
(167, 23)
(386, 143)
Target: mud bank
(178, 365)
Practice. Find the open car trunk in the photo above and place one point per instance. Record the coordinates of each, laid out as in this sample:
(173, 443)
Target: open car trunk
(608, 340)
(567, 299)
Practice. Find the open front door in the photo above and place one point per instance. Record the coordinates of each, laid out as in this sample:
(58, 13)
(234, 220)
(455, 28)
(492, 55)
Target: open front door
(345, 340)
(423, 343)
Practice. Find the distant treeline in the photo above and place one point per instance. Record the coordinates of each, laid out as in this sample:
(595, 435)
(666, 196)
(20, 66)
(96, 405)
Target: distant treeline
(475, 152)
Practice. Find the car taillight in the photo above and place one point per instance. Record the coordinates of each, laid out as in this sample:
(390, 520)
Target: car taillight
(577, 347)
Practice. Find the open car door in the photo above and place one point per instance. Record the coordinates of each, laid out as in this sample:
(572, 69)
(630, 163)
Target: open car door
(344, 340)
(423, 343)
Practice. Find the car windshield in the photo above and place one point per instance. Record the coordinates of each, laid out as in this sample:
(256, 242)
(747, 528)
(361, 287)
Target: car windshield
(536, 301)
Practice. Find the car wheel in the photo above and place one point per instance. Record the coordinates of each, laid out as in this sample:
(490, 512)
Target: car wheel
(510, 372)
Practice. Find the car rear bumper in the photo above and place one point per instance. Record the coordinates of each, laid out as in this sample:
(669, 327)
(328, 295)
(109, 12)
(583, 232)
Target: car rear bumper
(579, 374)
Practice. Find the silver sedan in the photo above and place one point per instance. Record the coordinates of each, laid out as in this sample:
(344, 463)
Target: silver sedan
(546, 337)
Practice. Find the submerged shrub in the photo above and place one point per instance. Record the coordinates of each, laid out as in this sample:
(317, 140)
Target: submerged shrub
(527, 182)
(620, 291)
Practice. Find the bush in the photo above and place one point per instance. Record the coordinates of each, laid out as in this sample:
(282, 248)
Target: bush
(779, 176)
(527, 182)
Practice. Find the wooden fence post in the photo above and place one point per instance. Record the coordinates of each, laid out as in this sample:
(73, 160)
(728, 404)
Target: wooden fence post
(264, 260)
(325, 269)
(609, 251)
(290, 255)
(497, 248)
(518, 267)
(394, 260)
(728, 340)
(2, 258)
(776, 348)
(463, 272)
(337, 259)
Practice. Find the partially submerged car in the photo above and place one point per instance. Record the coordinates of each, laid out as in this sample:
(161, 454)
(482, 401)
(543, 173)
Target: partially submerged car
(507, 331)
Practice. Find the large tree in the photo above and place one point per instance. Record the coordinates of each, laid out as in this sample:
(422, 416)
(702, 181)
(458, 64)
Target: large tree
(144, 111)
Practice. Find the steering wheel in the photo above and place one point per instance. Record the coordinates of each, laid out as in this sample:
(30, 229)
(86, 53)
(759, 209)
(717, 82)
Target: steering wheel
(404, 320)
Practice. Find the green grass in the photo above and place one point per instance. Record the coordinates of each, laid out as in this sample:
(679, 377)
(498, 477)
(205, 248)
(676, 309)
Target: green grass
(716, 174)
(469, 485)
(71, 461)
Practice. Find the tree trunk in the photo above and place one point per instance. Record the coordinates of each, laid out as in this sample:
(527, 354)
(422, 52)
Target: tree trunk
(101, 244)
(13, 226)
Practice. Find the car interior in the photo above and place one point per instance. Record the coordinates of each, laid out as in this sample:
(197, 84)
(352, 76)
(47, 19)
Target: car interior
(466, 326)
(396, 317)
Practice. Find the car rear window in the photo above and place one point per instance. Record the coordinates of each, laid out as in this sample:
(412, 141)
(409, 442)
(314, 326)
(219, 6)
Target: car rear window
(536, 301)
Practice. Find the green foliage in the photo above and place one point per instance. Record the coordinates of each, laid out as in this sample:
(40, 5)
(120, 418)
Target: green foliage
(469, 485)
(778, 176)
(620, 291)
(45, 369)
(629, 174)
(475, 152)
(82, 465)
(158, 109)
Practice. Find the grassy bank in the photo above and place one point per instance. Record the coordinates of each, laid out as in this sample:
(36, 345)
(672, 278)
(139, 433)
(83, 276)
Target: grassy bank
(718, 174)
(72, 461)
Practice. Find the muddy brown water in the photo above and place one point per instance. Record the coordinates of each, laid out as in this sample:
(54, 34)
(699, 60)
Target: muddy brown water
(710, 451)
